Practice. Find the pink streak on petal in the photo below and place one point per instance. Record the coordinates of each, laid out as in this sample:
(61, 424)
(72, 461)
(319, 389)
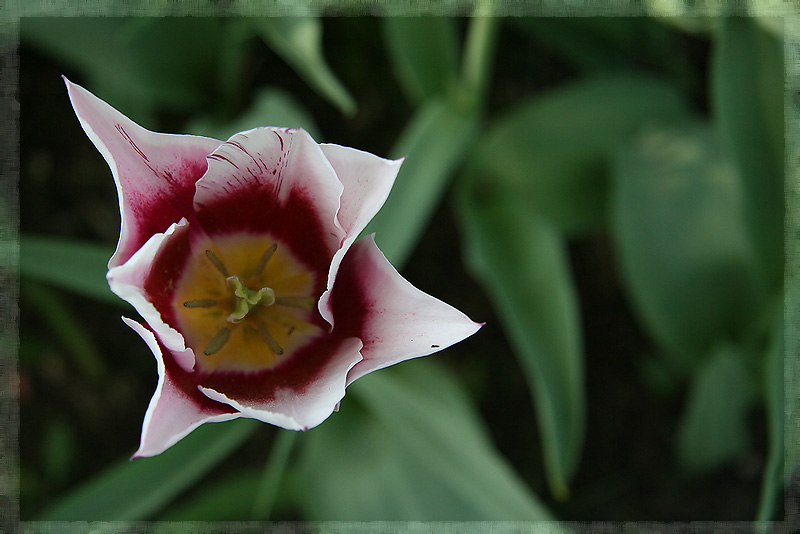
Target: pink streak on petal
(367, 180)
(395, 320)
(277, 181)
(173, 413)
(155, 173)
(297, 395)
(129, 281)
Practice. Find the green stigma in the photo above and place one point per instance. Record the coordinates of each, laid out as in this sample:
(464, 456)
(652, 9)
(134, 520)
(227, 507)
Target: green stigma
(247, 298)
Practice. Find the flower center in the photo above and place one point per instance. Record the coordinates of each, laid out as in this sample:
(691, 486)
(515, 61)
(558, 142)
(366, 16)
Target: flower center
(244, 304)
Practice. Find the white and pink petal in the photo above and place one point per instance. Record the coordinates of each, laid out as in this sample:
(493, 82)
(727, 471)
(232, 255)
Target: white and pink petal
(155, 173)
(131, 282)
(175, 409)
(367, 181)
(395, 320)
(275, 181)
(299, 394)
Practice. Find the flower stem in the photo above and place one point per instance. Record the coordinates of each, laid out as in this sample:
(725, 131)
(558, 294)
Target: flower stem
(478, 52)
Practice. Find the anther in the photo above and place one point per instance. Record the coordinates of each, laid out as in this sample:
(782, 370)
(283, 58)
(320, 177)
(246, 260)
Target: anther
(262, 263)
(200, 303)
(217, 263)
(218, 342)
(269, 340)
(305, 303)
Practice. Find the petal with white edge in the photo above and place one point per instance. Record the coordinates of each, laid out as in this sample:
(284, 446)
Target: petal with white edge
(367, 180)
(155, 173)
(297, 404)
(128, 282)
(278, 181)
(395, 320)
(173, 412)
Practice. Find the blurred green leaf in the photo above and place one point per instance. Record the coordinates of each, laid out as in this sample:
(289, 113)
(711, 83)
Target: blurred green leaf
(59, 450)
(419, 454)
(553, 149)
(772, 482)
(232, 61)
(71, 333)
(137, 63)
(298, 40)
(138, 489)
(600, 44)
(69, 264)
(227, 499)
(268, 488)
(522, 263)
(686, 258)
(424, 53)
(434, 144)
(713, 429)
(270, 107)
(747, 99)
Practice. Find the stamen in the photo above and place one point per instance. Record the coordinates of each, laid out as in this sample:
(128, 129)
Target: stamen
(217, 263)
(305, 303)
(262, 263)
(200, 303)
(269, 340)
(218, 342)
(291, 329)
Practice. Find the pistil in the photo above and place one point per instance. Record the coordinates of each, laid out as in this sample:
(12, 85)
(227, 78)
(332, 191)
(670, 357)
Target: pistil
(247, 298)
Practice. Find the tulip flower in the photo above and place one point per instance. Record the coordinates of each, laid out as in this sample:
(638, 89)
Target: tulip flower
(241, 258)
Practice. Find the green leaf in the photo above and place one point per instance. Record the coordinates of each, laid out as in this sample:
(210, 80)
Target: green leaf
(553, 150)
(137, 63)
(227, 499)
(63, 322)
(424, 53)
(522, 263)
(298, 40)
(686, 258)
(271, 107)
(69, 264)
(747, 98)
(601, 44)
(269, 486)
(138, 489)
(713, 429)
(420, 453)
(772, 482)
(232, 62)
(434, 144)
(58, 450)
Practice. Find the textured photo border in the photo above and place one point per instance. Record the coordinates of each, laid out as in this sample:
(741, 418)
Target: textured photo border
(9, 244)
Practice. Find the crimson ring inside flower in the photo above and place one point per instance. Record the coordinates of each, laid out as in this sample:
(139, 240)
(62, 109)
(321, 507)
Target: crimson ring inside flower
(241, 257)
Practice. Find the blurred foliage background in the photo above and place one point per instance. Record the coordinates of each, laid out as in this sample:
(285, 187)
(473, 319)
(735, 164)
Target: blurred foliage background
(605, 193)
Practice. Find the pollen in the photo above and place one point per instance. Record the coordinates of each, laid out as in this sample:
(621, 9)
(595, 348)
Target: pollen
(244, 303)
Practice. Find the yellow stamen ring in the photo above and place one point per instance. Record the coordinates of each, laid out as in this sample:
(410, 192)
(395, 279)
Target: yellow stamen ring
(254, 315)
